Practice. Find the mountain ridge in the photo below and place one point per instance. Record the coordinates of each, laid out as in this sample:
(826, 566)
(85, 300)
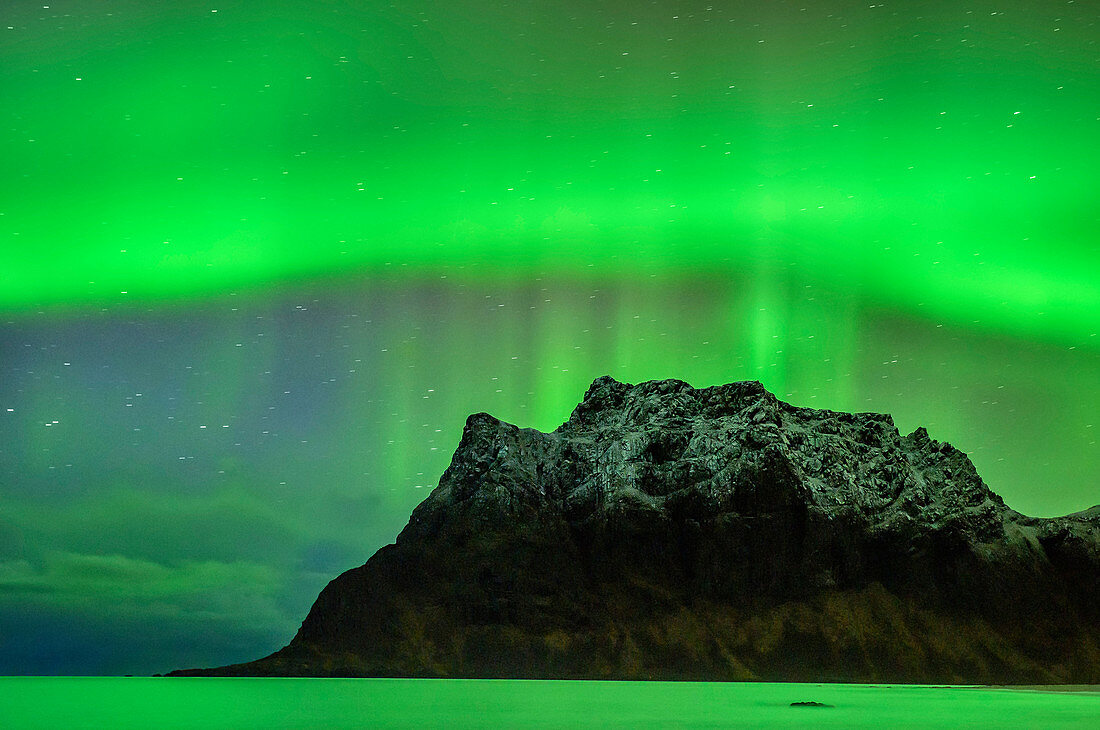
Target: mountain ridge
(670, 532)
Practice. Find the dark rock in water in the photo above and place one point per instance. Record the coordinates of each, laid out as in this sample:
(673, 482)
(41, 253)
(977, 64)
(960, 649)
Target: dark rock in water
(810, 704)
(668, 532)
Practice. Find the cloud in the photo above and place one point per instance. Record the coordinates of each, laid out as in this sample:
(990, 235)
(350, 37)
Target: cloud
(76, 577)
(123, 580)
(92, 613)
(225, 526)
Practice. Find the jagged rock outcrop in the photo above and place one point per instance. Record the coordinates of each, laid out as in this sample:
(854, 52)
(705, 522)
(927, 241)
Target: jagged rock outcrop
(669, 532)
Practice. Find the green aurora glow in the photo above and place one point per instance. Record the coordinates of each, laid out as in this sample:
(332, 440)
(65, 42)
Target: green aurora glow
(337, 228)
(866, 148)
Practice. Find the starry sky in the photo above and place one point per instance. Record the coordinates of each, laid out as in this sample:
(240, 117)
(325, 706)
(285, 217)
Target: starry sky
(260, 260)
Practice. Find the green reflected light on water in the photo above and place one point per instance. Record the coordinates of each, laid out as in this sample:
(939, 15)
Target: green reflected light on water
(101, 702)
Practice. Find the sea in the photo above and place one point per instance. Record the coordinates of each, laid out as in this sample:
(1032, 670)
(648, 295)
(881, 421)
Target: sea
(121, 703)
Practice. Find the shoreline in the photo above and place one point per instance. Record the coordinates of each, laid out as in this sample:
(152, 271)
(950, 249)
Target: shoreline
(1054, 688)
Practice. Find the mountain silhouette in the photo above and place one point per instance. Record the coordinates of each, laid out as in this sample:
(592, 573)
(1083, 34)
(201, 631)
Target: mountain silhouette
(668, 532)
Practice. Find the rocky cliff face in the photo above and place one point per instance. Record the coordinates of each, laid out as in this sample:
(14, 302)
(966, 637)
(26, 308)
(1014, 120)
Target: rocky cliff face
(669, 532)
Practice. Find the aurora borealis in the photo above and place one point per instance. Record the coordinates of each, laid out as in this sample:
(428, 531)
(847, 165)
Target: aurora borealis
(260, 260)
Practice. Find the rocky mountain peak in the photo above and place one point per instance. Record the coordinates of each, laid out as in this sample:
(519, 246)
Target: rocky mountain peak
(666, 531)
(666, 447)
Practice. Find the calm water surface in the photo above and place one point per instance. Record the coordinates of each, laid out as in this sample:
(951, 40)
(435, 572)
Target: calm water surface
(121, 703)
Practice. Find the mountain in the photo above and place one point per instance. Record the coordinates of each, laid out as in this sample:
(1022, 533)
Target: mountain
(669, 532)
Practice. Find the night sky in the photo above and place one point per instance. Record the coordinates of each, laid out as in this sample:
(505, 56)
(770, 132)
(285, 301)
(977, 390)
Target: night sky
(260, 260)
